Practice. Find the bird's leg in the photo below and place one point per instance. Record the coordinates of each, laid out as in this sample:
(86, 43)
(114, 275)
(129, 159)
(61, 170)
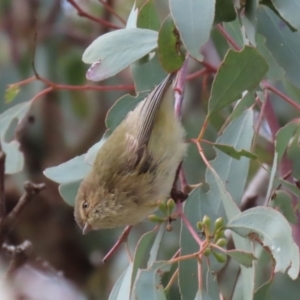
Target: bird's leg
(176, 195)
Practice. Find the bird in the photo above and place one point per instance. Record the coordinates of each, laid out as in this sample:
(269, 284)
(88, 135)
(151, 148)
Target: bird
(135, 167)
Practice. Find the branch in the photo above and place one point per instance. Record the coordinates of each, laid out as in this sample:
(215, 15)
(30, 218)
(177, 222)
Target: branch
(31, 190)
(289, 100)
(84, 14)
(112, 11)
(229, 39)
(20, 255)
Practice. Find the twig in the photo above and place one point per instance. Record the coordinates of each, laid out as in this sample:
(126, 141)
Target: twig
(172, 280)
(84, 14)
(82, 88)
(2, 190)
(209, 67)
(229, 39)
(271, 88)
(20, 255)
(197, 74)
(123, 238)
(188, 224)
(31, 190)
(112, 11)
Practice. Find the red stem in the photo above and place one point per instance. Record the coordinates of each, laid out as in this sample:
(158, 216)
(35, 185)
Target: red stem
(229, 39)
(271, 88)
(82, 13)
(188, 224)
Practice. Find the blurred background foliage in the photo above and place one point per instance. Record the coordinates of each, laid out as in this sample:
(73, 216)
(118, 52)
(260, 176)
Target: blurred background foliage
(63, 124)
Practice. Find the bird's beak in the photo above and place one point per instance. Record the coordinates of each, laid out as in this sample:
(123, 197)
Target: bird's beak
(87, 228)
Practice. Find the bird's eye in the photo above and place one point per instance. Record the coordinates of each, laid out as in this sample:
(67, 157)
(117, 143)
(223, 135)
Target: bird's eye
(85, 205)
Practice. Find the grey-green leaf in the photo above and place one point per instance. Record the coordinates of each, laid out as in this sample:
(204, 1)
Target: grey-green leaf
(114, 51)
(68, 191)
(121, 108)
(244, 258)
(240, 71)
(281, 42)
(231, 151)
(72, 170)
(14, 157)
(275, 233)
(194, 20)
(289, 10)
(148, 284)
(283, 201)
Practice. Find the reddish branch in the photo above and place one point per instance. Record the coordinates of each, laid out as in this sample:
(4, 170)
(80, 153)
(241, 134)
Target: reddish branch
(54, 86)
(84, 14)
(112, 11)
(271, 88)
(229, 39)
(122, 239)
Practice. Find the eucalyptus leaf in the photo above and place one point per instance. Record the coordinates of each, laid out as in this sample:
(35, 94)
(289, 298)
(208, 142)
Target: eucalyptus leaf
(234, 30)
(155, 246)
(224, 11)
(202, 295)
(73, 170)
(114, 294)
(289, 10)
(68, 191)
(275, 233)
(147, 73)
(283, 137)
(121, 108)
(14, 157)
(194, 20)
(281, 42)
(169, 52)
(283, 201)
(143, 246)
(229, 150)
(148, 16)
(148, 284)
(244, 258)
(250, 20)
(114, 51)
(240, 71)
(275, 71)
(121, 290)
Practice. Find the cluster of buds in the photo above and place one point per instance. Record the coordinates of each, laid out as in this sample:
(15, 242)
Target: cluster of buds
(167, 209)
(214, 236)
